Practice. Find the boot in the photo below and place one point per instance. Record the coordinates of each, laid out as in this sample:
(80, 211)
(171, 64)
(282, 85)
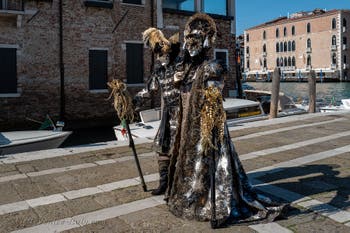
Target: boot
(163, 177)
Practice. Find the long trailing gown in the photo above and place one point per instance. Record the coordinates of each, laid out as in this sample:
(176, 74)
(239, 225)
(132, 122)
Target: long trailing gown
(189, 189)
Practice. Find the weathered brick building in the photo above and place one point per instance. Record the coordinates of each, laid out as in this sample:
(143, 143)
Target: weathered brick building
(56, 56)
(296, 44)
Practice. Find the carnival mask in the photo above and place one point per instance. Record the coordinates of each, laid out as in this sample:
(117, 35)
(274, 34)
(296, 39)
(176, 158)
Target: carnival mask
(193, 44)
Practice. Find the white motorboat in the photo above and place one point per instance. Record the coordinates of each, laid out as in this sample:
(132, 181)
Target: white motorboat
(345, 106)
(237, 111)
(286, 105)
(30, 140)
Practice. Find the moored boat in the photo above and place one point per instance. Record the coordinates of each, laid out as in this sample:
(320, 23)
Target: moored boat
(237, 111)
(30, 140)
(345, 106)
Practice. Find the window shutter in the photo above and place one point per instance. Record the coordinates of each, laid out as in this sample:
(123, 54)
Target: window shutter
(98, 67)
(134, 63)
(8, 70)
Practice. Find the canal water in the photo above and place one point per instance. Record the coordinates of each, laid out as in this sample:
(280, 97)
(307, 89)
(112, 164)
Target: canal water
(298, 91)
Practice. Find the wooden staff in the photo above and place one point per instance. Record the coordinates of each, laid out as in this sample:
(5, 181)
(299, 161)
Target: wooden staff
(125, 112)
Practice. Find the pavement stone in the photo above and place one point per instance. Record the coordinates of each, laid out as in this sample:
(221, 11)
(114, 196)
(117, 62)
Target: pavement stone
(19, 220)
(320, 225)
(82, 205)
(115, 225)
(8, 193)
(125, 195)
(25, 168)
(7, 168)
(47, 186)
(53, 212)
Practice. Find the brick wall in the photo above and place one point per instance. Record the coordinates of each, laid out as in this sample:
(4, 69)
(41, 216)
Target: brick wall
(36, 37)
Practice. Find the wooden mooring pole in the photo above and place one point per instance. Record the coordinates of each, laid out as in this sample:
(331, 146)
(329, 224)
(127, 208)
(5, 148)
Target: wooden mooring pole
(312, 91)
(275, 93)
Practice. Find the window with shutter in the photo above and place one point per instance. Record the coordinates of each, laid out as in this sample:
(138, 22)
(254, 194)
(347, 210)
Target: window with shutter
(98, 69)
(134, 63)
(8, 70)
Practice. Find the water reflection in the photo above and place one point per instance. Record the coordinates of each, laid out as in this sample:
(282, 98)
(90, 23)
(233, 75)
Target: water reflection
(325, 92)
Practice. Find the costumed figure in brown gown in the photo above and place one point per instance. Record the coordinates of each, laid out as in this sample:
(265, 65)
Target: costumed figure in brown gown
(166, 52)
(204, 155)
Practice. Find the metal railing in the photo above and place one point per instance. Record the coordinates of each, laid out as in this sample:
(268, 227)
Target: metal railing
(12, 5)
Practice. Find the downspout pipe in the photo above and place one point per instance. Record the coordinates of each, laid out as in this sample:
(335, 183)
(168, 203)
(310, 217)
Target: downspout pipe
(61, 64)
(152, 57)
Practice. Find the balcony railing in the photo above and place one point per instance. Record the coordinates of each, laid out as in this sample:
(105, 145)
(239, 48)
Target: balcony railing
(333, 66)
(334, 47)
(308, 67)
(11, 5)
(264, 54)
(308, 49)
(287, 68)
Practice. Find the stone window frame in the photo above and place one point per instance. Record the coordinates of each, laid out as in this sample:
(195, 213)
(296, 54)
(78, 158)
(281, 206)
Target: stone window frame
(334, 58)
(308, 43)
(223, 51)
(334, 24)
(334, 40)
(281, 47)
(308, 27)
(293, 45)
(308, 60)
(293, 30)
(289, 46)
(97, 91)
(19, 90)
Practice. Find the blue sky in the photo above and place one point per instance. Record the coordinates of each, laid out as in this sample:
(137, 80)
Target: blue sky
(253, 12)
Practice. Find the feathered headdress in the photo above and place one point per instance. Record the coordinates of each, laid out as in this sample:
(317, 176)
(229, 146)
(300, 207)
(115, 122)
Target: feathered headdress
(203, 25)
(154, 38)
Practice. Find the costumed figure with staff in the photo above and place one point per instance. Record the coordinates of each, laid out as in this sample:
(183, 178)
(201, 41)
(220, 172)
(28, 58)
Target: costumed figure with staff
(207, 180)
(166, 52)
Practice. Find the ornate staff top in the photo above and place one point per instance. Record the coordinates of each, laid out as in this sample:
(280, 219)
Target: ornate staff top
(122, 100)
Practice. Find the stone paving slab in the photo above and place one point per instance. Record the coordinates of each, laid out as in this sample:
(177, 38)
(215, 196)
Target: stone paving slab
(266, 125)
(270, 159)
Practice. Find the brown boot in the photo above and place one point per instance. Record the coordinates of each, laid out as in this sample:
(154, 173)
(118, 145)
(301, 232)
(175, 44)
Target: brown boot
(163, 177)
